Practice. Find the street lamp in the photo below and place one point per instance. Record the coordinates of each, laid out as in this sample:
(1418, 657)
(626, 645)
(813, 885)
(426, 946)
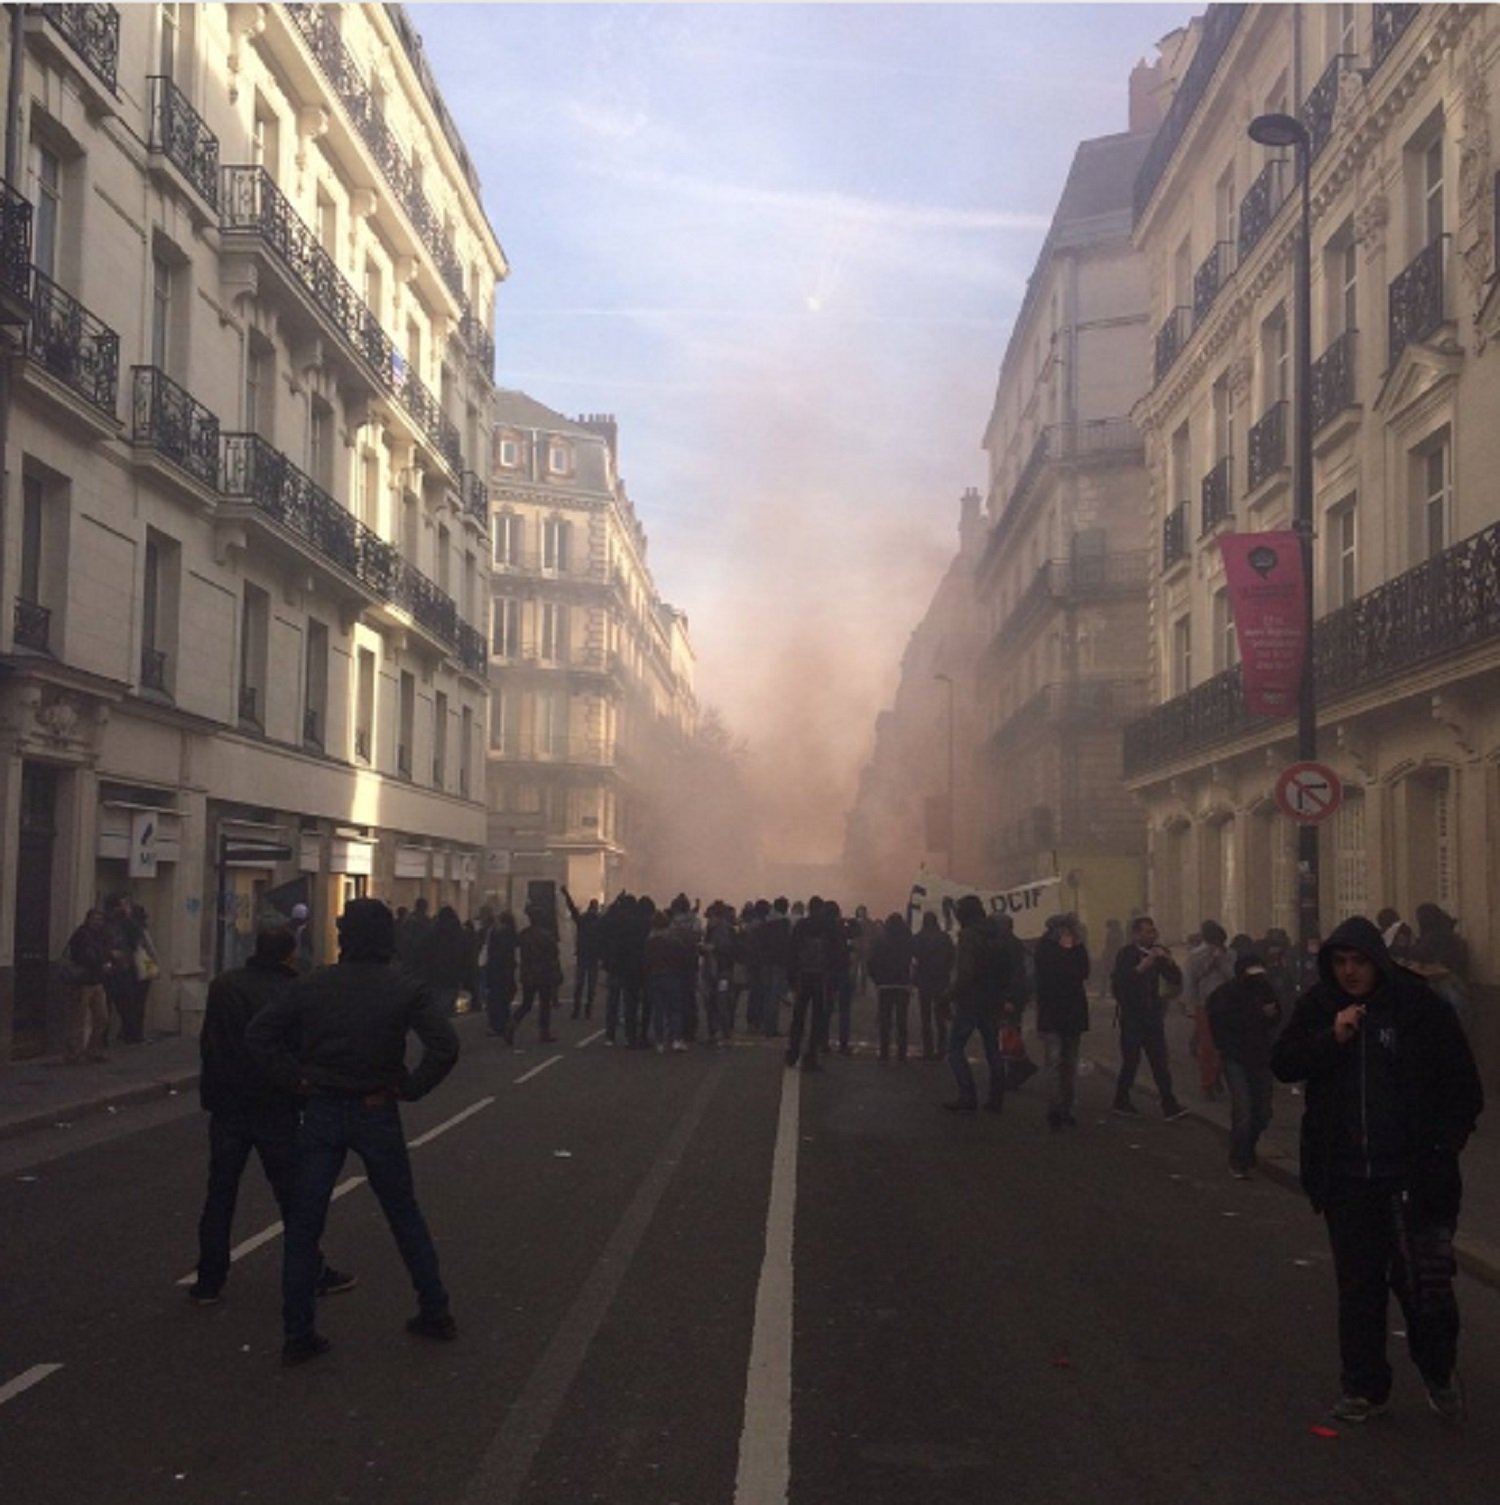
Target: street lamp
(1284, 131)
(952, 823)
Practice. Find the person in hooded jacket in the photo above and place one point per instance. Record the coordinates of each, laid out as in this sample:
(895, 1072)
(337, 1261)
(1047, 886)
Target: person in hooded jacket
(932, 955)
(442, 959)
(981, 991)
(1062, 1012)
(1243, 1014)
(541, 971)
(1392, 1094)
(889, 964)
(500, 974)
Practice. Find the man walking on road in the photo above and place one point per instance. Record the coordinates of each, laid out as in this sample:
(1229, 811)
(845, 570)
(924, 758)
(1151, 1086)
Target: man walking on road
(980, 991)
(1392, 1096)
(339, 1038)
(1140, 969)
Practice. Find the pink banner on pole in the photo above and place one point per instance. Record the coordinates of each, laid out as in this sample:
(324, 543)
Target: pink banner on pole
(1264, 574)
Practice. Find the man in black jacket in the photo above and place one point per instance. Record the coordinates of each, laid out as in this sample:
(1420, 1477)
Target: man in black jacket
(1392, 1096)
(982, 990)
(339, 1039)
(1140, 968)
(247, 1111)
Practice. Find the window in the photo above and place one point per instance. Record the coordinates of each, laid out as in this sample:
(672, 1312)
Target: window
(555, 545)
(1226, 647)
(1432, 190)
(470, 587)
(48, 217)
(161, 574)
(315, 687)
(559, 461)
(1343, 571)
(265, 138)
(440, 741)
(31, 539)
(1182, 655)
(510, 534)
(444, 561)
(1351, 863)
(320, 443)
(552, 636)
(328, 225)
(507, 452)
(255, 625)
(505, 627)
(1433, 468)
(171, 23)
(1223, 404)
(414, 346)
(1338, 31)
(1182, 275)
(1181, 478)
(374, 288)
(465, 751)
(411, 527)
(364, 706)
(1275, 357)
(368, 501)
(1226, 211)
(259, 387)
(505, 721)
(552, 723)
(407, 723)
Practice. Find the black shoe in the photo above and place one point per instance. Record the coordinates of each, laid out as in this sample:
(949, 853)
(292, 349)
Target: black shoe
(205, 1295)
(961, 1105)
(1173, 1111)
(335, 1282)
(439, 1325)
(299, 1350)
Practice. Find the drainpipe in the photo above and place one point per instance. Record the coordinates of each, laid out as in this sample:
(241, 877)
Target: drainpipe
(12, 151)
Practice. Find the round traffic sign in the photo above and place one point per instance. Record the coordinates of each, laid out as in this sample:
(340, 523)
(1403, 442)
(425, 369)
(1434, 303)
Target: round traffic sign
(1309, 792)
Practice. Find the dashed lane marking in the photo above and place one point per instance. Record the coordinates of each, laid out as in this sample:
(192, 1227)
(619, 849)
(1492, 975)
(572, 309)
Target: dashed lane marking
(442, 1128)
(589, 1039)
(526, 1076)
(23, 1382)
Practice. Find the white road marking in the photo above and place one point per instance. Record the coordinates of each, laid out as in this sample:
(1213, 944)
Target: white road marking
(589, 1039)
(442, 1128)
(764, 1474)
(23, 1382)
(526, 1076)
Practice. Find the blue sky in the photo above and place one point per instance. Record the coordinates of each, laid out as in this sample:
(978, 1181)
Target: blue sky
(784, 245)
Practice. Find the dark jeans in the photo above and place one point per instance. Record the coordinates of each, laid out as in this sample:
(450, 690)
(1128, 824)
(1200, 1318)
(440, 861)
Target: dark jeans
(497, 1004)
(544, 995)
(231, 1139)
(775, 991)
(926, 1000)
(812, 1000)
(844, 991)
(893, 1002)
(331, 1127)
(965, 1021)
(637, 1020)
(664, 994)
(126, 999)
(614, 994)
(1377, 1253)
(1144, 1033)
(585, 985)
(1249, 1109)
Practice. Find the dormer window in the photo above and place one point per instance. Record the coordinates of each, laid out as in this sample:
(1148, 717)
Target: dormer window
(507, 452)
(559, 459)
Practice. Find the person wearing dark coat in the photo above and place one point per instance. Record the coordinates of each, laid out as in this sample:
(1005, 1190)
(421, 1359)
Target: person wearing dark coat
(540, 966)
(814, 938)
(586, 946)
(247, 1110)
(1141, 968)
(1391, 1096)
(981, 992)
(889, 964)
(932, 957)
(500, 974)
(1243, 1015)
(775, 943)
(1062, 1012)
(442, 959)
(338, 1039)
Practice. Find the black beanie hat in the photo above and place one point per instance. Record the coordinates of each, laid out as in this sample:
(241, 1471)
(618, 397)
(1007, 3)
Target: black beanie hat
(367, 931)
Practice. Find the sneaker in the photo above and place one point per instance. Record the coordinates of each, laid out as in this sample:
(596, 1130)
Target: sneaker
(299, 1350)
(679, 1045)
(1126, 1110)
(1356, 1409)
(335, 1282)
(439, 1325)
(1448, 1400)
(1173, 1111)
(205, 1295)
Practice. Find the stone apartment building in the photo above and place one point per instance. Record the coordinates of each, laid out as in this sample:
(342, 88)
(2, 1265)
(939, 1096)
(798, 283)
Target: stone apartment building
(1061, 576)
(591, 673)
(248, 294)
(1400, 105)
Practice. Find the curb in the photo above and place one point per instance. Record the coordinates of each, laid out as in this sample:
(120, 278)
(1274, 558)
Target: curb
(141, 1092)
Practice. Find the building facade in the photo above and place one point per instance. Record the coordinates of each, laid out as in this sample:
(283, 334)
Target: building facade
(249, 289)
(1062, 576)
(1400, 105)
(591, 672)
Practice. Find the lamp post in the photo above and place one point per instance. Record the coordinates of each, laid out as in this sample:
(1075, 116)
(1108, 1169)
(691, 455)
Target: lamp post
(952, 823)
(1284, 131)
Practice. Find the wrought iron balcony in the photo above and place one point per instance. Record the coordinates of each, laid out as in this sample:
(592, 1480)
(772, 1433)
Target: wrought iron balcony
(170, 420)
(1174, 536)
(1318, 108)
(1416, 298)
(473, 651)
(320, 31)
(15, 246)
(1258, 207)
(1094, 703)
(182, 136)
(1333, 380)
(250, 706)
(478, 340)
(312, 731)
(1086, 577)
(1389, 22)
(251, 203)
(476, 498)
(362, 744)
(65, 339)
(1213, 272)
(1217, 495)
(1267, 444)
(1207, 714)
(93, 32)
(154, 670)
(32, 626)
(1171, 337)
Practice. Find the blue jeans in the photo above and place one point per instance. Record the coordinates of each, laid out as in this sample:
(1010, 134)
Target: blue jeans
(331, 1127)
(1249, 1110)
(965, 1021)
(664, 992)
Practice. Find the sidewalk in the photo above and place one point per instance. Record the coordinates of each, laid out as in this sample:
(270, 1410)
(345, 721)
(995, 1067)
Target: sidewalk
(1478, 1241)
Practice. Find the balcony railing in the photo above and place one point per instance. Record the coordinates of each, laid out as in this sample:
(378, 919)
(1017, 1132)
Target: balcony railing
(15, 244)
(170, 420)
(1258, 207)
(1174, 536)
(1171, 337)
(541, 748)
(428, 605)
(1217, 495)
(1318, 108)
(1333, 380)
(473, 651)
(32, 626)
(320, 31)
(1219, 22)
(478, 340)
(1444, 606)
(251, 203)
(181, 135)
(1416, 299)
(476, 498)
(93, 32)
(1096, 704)
(65, 339)
(1213, 271)
(1267, 444)
(250, 705)
(1086, 577)
(154, 670)
(1389, 22)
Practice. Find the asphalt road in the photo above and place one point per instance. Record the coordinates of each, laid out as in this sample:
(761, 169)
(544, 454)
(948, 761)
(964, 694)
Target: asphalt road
(983, 1309)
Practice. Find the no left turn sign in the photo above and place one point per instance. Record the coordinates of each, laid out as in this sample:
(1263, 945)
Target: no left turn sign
(1309, 792)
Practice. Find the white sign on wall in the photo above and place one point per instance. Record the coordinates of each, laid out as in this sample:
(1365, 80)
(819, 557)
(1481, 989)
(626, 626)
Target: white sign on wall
(145, 831)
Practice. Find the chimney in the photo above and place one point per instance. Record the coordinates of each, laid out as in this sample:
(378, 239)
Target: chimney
(1146, 104)
(605, 426)
(968, 520)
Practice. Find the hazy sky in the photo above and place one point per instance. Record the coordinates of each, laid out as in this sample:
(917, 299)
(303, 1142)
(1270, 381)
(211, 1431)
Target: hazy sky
(784, 246)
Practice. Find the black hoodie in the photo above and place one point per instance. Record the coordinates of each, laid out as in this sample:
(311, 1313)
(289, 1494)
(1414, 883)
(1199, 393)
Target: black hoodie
(1399, 1099)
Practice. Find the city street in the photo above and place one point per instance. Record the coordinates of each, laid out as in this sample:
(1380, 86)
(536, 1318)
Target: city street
(983, 1309)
